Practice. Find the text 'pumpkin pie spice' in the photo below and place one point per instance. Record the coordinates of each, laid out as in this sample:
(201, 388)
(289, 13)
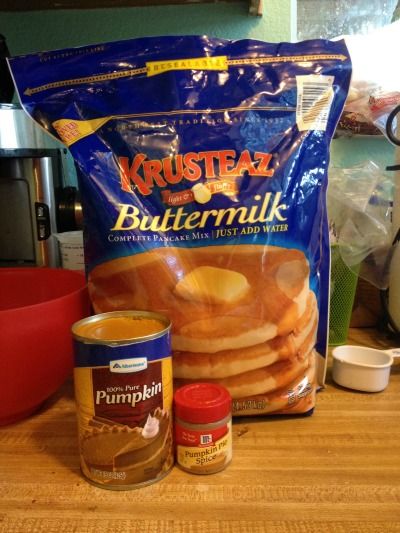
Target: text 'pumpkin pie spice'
(123, 389)
(203, 427)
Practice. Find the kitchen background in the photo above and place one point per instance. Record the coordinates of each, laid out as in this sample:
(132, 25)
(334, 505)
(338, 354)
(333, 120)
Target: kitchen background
(282, 20)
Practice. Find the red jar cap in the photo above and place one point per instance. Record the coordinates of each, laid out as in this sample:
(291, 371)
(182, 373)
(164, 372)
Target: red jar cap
(202, 403)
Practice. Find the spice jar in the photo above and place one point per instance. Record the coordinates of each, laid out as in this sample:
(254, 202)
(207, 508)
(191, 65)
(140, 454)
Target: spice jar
(203, 427)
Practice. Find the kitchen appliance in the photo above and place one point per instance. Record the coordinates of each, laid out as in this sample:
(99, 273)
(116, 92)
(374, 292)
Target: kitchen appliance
(34, 202)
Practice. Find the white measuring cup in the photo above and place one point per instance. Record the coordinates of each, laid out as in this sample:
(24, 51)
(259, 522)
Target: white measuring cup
(361, 368)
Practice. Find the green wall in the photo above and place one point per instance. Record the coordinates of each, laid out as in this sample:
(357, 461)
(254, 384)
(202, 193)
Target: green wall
(46, 30)
(347, 152)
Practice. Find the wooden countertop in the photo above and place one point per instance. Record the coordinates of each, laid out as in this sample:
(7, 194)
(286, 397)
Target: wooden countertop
(336, 471)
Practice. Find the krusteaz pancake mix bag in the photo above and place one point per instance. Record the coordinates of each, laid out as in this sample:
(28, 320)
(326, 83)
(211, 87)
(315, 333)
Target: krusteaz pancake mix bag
(202, 167)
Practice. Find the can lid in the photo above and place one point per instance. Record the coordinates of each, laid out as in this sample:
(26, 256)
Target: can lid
(202, 403)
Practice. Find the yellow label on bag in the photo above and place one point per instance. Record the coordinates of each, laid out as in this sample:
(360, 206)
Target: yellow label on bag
(197, 63)
(71, 130)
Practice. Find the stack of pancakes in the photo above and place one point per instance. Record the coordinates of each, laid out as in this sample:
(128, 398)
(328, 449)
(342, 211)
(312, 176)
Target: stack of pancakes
(243, 316)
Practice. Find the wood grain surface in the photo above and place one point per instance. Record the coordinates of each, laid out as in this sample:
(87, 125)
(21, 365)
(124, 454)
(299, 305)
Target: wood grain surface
(336, 471)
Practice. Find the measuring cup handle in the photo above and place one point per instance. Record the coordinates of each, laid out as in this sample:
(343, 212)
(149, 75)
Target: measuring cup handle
(394, 352)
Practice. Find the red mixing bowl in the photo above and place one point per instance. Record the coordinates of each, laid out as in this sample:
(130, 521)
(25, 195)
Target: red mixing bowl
(37, 309)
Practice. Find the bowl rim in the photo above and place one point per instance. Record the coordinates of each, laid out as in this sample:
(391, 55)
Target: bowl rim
(76, 273)
(339, 359)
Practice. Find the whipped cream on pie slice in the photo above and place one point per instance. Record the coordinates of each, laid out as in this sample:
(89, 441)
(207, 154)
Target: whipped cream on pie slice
(151, 427)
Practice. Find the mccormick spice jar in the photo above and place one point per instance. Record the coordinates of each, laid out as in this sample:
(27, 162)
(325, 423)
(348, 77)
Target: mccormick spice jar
(203, 427)
(123, 389)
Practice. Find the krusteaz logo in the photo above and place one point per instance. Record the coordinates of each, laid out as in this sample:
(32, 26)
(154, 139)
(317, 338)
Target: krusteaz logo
(122, 366)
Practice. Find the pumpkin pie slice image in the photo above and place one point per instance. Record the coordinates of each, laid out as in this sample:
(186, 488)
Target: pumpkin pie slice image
(139, 453)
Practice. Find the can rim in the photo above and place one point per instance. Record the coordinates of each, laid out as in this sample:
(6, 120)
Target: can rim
(114, 314)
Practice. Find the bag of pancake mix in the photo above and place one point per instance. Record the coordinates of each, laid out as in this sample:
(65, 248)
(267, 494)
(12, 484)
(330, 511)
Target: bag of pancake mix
(202, 167)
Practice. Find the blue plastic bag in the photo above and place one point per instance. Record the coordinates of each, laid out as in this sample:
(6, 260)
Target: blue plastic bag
(202, 167)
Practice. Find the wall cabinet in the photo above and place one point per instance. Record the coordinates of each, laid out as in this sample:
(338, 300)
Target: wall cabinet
(254, 6)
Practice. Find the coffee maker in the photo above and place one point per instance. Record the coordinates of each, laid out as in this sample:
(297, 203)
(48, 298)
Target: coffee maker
(35, 202)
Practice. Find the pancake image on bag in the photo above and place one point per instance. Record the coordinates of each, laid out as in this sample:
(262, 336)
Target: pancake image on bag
(261, 370)
(219, 297)
(241, 316)
(297, 397)
(206, 365)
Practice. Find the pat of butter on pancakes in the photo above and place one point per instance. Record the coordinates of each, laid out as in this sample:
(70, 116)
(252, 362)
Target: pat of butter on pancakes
(214, 285)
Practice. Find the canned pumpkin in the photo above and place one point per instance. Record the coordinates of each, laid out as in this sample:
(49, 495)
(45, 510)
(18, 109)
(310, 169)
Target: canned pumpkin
(123, 390)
